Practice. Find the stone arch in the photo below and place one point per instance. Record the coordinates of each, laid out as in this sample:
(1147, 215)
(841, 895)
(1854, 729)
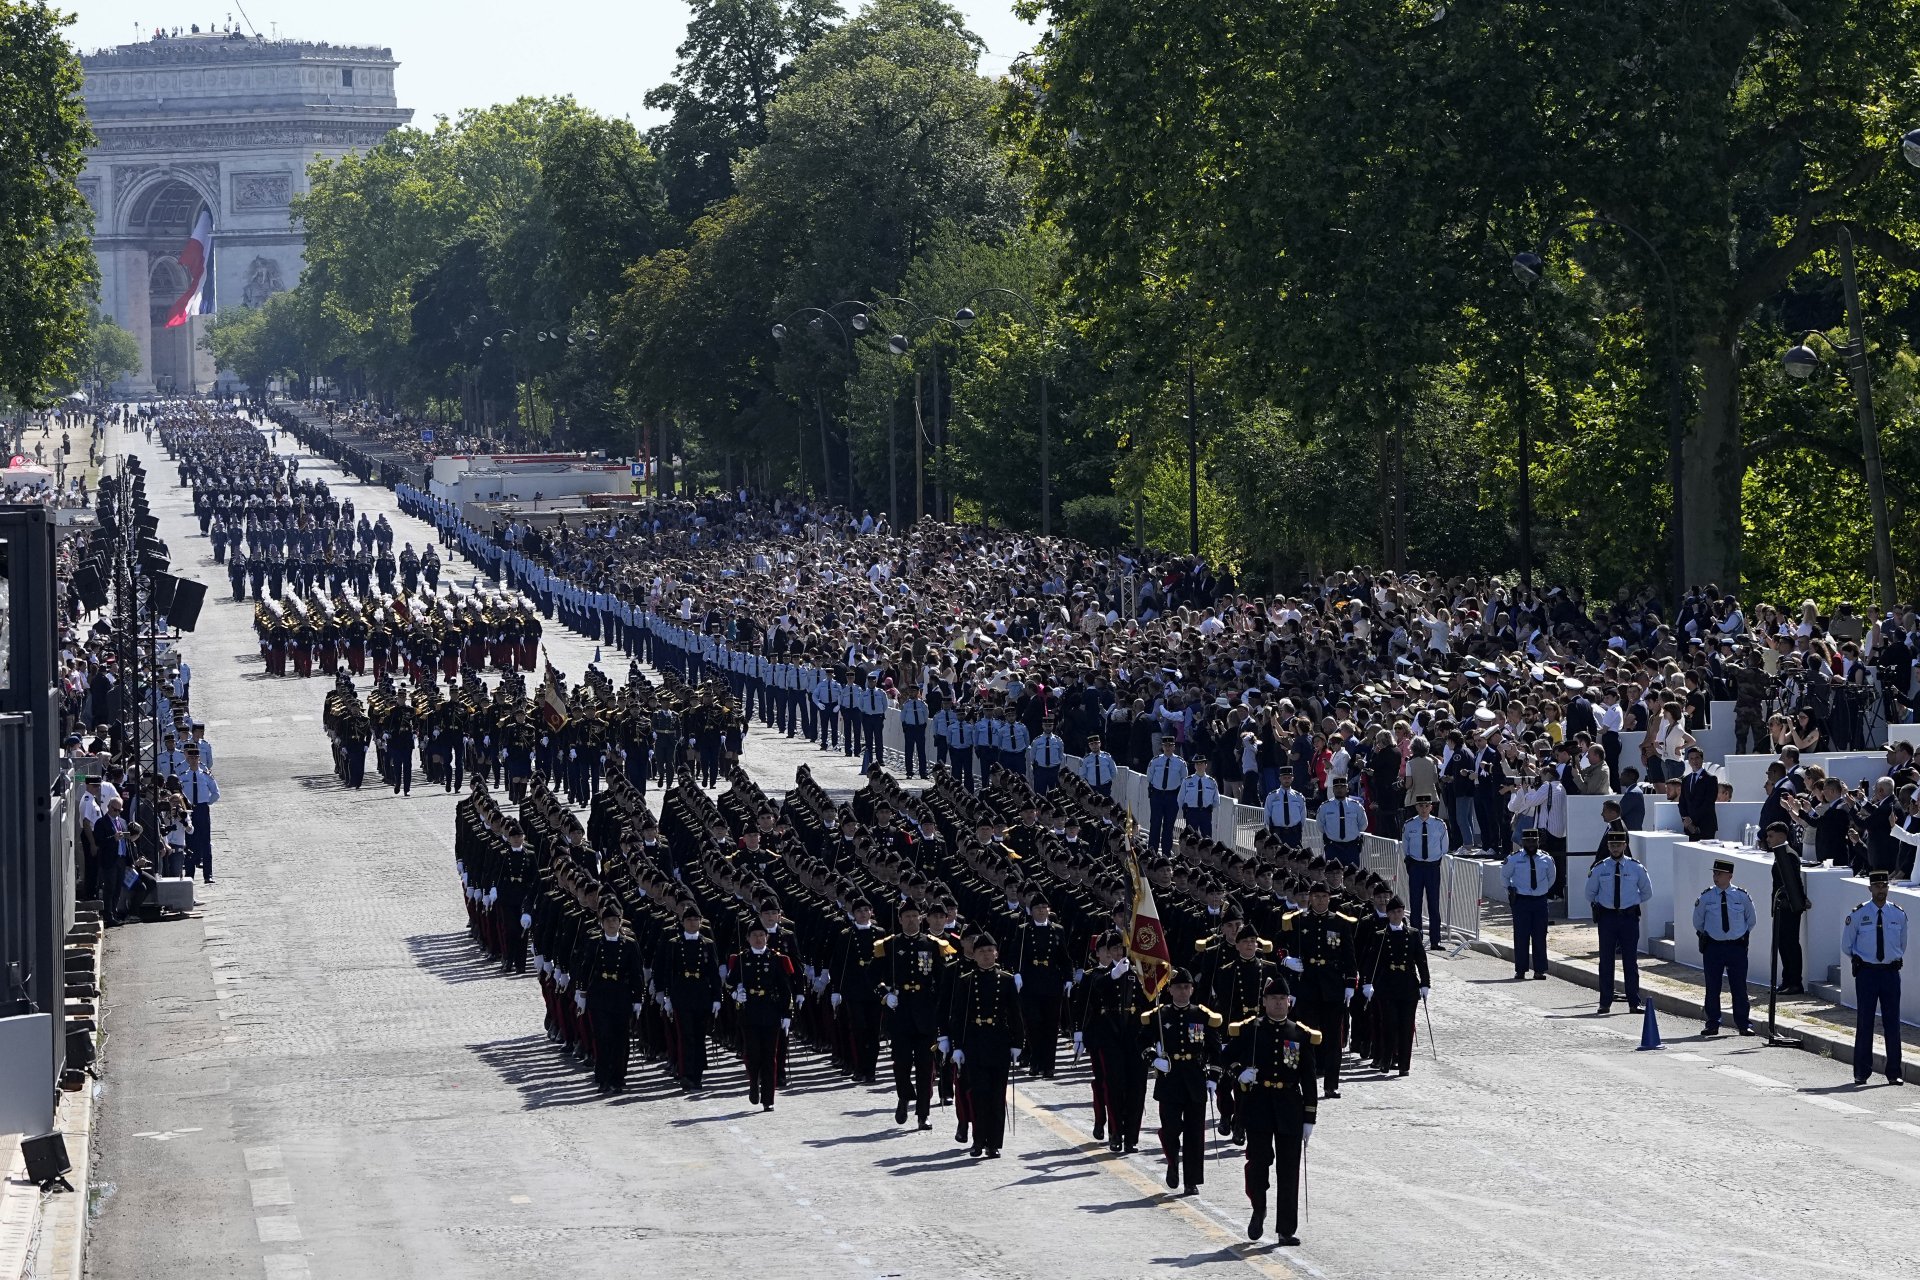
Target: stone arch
(172, 359)
(163, 206)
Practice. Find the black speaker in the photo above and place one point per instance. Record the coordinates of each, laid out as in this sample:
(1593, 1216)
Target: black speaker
(47, 1163)
(160, 594)
(88, 589)
(79, 1047)
(188, 596)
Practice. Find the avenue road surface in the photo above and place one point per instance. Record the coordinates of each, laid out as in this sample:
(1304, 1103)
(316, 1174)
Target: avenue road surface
(318, 1076)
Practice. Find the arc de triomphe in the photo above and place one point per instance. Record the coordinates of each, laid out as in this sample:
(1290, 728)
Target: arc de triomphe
(226, 124)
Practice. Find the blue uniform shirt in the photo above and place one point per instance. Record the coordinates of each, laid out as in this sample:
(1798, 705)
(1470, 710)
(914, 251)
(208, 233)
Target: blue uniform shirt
(1724, 914)
(1618, 883)
(1531, 875)
(1875, 934)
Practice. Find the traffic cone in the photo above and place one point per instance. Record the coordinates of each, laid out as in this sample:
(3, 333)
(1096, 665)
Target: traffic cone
(1650, 1029)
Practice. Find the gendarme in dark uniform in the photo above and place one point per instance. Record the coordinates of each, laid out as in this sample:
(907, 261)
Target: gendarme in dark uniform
(986, 1029)
(1181, 1041)
(1274, 1059)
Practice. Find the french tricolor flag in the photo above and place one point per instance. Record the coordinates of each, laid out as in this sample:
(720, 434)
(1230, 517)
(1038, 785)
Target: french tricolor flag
(195, 257)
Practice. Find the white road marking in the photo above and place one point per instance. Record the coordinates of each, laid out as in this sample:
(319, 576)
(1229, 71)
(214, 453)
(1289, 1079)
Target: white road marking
(281, 1230)
(1753, 1078)
(286, 1266)
(1834, 1105)
(261, 720)
(271, 1193)
(1900, 1126)
(263, 1159)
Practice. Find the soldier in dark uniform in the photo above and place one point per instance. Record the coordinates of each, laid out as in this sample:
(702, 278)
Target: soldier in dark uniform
(911, 964)
(763, 989)
(400, 741)
(1043, 972)
(517, 884)
(237, 573)
(609, 982)
(1237, 986)
(688, 968)
(985, 1032)
(1273, 1059)
(856, 974)
(1319, 950)
(1400, 981)
(1182, 1040)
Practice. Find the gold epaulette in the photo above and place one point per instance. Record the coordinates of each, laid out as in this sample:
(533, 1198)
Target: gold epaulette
(1233, 1028)
(1214, 1020)
(1311, 1033)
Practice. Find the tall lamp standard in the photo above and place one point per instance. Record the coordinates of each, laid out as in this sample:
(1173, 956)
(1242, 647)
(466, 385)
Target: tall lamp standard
(1528, 268)
(963, 320)
(901, 344)
(1802, 361)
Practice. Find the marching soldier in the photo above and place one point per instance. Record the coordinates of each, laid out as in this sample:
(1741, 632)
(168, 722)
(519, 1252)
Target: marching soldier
(1274, 1060)
(913, 965)
(690, 965)
(1114, 1001)
(985, 1031)
(1319, 946)
(1043, 975)
(1183, 1041)
(1399, 984)
(763, 989)
(608, 990)
(1236, 993)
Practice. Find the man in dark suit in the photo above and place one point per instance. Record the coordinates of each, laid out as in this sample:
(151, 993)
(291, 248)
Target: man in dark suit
(112, 844)
(1699, 793)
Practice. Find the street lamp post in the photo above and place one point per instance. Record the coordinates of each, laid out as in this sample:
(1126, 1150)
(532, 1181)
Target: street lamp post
(1528, 268)
(1801, 361)
(820, 316)
(901, 344)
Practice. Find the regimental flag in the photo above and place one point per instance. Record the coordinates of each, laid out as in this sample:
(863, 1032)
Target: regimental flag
(1147, 941)
(195, 257)
(553, 708)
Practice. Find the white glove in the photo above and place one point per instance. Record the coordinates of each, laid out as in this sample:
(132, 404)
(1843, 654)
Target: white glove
(580, 1001)
(1347, 996)
(1162, 1065)
(1249, 1076)
(892, 1001)
(1212, 1085)
(1015, 1053)
(1423, 993)
(1018, 982)
(1066, 989)
(1366, 989)
(786, 1024)
(716, 1008)
(636, 1009)
(1120, 967)
(1079, 974)
(1295, 963)
(1079, 1042)
(560, 979)
(959, 1057)
(666, 1005)
(946, 1046)
(526, 921)
(1306, 1132)
(739, 995)
(799, 1002)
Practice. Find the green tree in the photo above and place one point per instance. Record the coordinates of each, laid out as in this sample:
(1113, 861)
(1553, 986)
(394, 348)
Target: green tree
(110, 354)
(47, 267)
(732, 62)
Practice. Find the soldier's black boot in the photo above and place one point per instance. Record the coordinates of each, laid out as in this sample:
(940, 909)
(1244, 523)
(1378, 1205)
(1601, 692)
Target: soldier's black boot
(1257, 1224)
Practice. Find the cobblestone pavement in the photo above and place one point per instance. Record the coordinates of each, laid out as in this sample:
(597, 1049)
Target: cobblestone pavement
(317, 1077)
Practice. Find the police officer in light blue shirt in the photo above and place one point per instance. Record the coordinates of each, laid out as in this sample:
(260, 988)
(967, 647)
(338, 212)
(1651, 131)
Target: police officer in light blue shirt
(1343, 820)
(1097, 767)
(1616, 888)
(1198, 794)
(1423, 843)
(1046, 752)
(1875, 942)
(913, 729)
(1013, 757)
(966, 733)
(1286, 809)
(1723, 918)
(1164, 778)
(946, 726)
(1529, 873)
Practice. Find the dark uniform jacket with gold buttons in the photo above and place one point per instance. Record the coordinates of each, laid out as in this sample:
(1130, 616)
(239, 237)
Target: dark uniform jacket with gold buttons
(688, 969)
(1285, 1092)
(768, 981)
(1324, 945)
(1189, 1039)
(1400, 967)
(983, 1013)
(912, 969)
(610, 973)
